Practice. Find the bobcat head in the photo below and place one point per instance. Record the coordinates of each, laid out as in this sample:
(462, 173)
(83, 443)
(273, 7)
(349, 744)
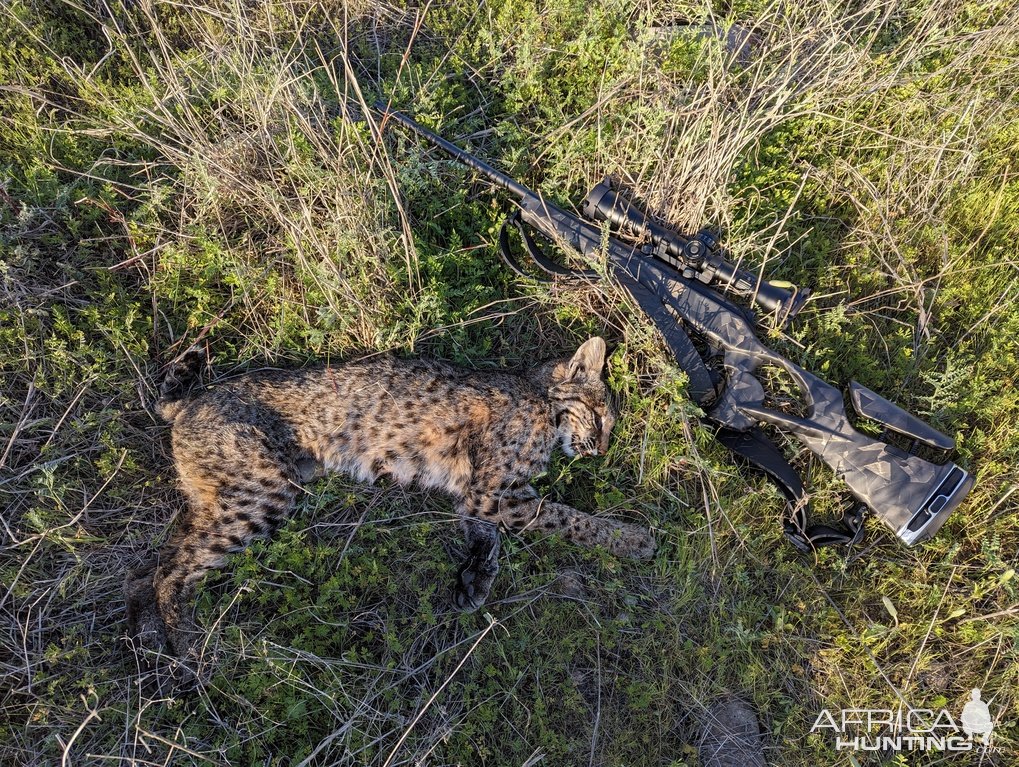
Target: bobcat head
(580, 401)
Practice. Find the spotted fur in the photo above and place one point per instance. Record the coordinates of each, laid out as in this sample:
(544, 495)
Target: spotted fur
(244, 448)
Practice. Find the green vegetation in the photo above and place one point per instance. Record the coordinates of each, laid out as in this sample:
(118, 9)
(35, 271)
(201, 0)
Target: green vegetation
(176, 172)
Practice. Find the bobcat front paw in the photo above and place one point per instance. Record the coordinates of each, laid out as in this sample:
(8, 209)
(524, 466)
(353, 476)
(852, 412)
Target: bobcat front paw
(165, 676)
(474, 583)
(146, 641)
(164, 673)
(146, 632)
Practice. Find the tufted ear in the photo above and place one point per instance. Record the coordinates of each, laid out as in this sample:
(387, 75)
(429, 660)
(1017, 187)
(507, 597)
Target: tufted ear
(587, 363)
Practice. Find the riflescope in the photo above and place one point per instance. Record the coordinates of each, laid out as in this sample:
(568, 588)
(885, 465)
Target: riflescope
(696, 257)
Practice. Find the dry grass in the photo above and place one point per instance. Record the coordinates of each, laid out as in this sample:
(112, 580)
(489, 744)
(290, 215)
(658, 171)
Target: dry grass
(216, 175)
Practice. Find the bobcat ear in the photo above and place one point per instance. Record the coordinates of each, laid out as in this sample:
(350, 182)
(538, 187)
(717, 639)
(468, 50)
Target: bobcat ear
(587, 363)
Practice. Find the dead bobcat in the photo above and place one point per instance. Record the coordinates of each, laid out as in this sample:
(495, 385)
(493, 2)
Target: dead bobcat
(243, 449)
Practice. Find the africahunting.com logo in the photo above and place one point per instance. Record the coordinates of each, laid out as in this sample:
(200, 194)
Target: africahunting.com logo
(915, 729)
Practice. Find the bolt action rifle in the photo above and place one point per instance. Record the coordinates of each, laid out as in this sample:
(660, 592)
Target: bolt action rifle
(679, 283)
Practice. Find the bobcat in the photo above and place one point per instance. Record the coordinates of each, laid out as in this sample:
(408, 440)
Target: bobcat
(243, 449)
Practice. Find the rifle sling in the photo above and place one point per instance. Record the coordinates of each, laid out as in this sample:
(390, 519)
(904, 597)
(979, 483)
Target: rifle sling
(752, 445)
(544, 262)
(701, 387)
(761, 453)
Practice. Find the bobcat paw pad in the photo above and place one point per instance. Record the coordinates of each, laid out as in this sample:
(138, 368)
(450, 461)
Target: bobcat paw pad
(465, 599)
(473, 584)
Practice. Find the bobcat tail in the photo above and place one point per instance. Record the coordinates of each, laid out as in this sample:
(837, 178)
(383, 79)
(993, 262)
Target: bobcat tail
(183, 373)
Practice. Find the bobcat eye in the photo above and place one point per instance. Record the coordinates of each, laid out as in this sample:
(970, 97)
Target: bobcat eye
(597, 422)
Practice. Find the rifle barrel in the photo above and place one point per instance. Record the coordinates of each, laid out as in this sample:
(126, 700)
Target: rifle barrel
(501, 179)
